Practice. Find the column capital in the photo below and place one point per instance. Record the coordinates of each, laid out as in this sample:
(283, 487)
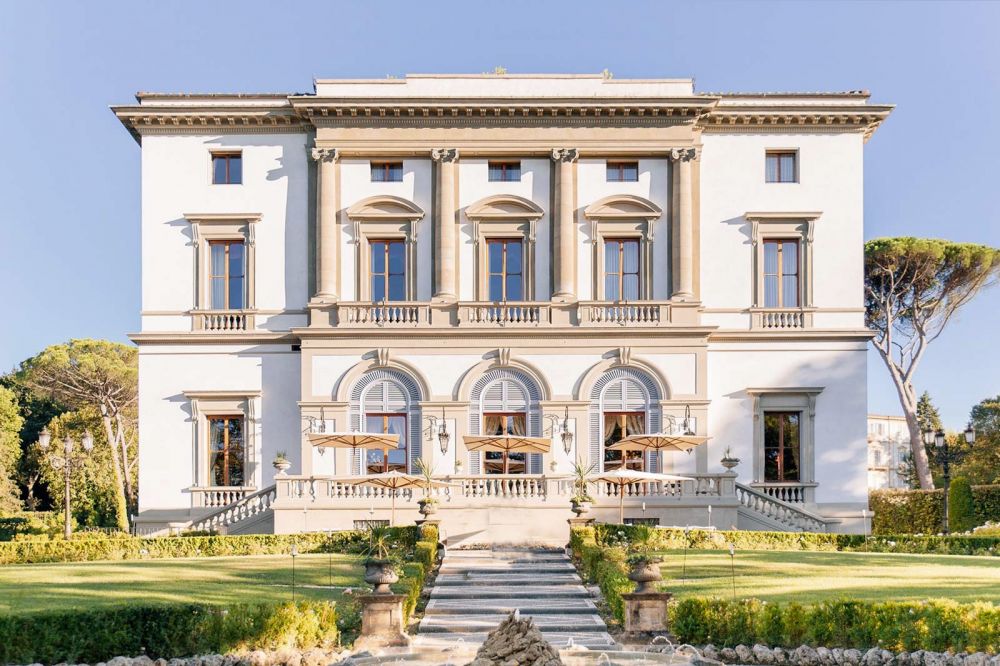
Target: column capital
(565, 154)
(684, 154)
(444, 154)
(324, 154)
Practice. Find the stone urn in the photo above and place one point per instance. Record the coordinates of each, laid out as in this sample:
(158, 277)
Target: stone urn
(579, 506)
(380, 574)
(282, 465)
(644, 573)
(427, 507)
(730, 463)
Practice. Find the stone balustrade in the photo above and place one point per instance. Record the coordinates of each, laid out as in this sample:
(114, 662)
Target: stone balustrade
(217, 496)
(223, 321)
(635, 313)
(782, 319)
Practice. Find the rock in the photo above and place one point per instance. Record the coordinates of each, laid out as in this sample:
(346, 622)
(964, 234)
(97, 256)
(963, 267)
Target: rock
(516, 642)
(142, 660)
(977, 659)
(935, 659)
(780, 656)
(729, 655)
(314, 657)
(824, 656)
(872, 658)
(711, 653)
(805, 656)
(852, 657)
(903, 659)
(119, 661)
(838, 656)
(762, 654)
(258, 658)
(744, 654)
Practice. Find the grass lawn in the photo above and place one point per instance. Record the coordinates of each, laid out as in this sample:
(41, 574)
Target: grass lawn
(215, 580)
(808, 577)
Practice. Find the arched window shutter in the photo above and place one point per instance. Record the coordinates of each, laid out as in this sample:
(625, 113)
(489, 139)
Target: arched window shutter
(387, 390)
(505, 390)
(623, 389)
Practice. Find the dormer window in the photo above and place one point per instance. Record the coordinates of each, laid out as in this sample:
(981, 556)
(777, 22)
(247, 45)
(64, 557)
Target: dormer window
(387, 172)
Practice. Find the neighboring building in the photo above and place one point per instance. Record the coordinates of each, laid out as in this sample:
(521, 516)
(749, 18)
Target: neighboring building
(888, 451)
(501, 254)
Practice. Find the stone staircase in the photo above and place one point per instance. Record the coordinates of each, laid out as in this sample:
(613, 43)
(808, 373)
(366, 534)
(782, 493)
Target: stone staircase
(476, 589)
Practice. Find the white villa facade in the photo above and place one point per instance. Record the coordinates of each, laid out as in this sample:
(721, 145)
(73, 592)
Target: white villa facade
(888, 451)
(498, 253)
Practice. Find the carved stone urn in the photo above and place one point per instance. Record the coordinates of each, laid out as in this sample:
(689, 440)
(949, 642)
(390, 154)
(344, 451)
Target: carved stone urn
(645, 573)
(730, 463)
(380, 574)
(427, 507)
(282, 465)
(579, 507)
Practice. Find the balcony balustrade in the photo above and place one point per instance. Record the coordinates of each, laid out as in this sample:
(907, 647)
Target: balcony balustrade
(217, 496)
(782, 319)
(223, 321)
(395, 314)
(509, 313)
(634, 313)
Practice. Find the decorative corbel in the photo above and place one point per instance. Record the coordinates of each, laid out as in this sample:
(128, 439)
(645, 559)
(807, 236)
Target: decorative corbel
(503, 356)
(324, 154)
(625, 355)
(382, 357)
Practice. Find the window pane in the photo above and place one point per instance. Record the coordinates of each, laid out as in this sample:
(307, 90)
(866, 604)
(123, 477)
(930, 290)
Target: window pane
(514, 288)
(236, 453)
(771, 175)
(218, 169)
(789, 257)
(771, 465)
(396, 172)
(218, 258)
(397, 288)
(378, 257)
(611, 292)
(787, 167)
(236, 169)
(235, 293)
(631, 172)
(613, 173)
(496, 287)
(235, 259)
(218, 293)
(513, 257)
(790, 291)
(397, 258)
(770, 258)
(496, 257)
(611, 257)
(630, 287)
(771, 291)
(630, 257)
(771, 429)
(378, 288)
(217, 434)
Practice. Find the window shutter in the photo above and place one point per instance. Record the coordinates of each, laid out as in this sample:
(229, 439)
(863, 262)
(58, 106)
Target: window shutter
(634, 396)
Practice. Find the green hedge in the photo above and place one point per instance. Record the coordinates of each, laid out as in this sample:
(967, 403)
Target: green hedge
(961, 508)
(604, 566)
(133, 548)
(92, 636)
(891, 625)
(922, 511)
(675, 539)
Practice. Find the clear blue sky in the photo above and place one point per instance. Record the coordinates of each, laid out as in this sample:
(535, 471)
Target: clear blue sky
(69, 173)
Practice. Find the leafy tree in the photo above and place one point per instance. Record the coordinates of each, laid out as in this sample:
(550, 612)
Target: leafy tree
(981, 463)
(103, 376)
(913, 287)
(10, 450)
(37, 411)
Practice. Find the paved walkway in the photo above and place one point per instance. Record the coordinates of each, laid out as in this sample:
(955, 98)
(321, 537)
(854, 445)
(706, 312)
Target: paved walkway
(476, 589)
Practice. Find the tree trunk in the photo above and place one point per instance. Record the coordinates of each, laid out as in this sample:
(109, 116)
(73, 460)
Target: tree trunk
(127, 477)
(908, 401)
(121, 504)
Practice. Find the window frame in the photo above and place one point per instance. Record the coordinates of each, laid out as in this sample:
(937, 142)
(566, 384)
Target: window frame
(767, 226)
(205, 405)
(780, 275)
(209, 227)
(226, 450)
(782, 445)
(505, 240)
(801, 399)
(620, 166)
(385, 452)
(778, 153)
(505, 456)
(387, 274)
(228, 155)
(504, 166)
(639, 273)
(639, 456)
(226, 276)
(386, 166)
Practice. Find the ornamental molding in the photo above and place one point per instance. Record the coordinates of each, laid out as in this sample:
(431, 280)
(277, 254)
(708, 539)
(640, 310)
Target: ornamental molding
(564, 155)
(865, 119)
(504, 207)
(443, 155)
(385, 207)
(684, 154)
(324, 154)
(623, 207)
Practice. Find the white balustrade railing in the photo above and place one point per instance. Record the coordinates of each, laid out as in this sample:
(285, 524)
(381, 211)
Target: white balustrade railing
(507, 313)
(624, 313)
(781, 319)
(793, 493)
(217, 496)
(781, 512)
(388, 313)
(246, 507)
(223, 321)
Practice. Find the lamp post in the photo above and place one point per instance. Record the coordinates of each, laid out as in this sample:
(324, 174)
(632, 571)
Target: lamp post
(946, 456)
(68, 464)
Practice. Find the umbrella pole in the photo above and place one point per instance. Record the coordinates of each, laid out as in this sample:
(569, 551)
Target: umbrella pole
(621, 504)
(392, 516)
(506, 462)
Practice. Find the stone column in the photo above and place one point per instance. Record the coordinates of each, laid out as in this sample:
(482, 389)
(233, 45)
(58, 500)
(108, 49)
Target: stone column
(326, 227)
(564, 236)
(684, 273)
(445, 246)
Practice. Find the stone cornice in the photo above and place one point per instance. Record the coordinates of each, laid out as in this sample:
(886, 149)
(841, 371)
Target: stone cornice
(198, 337)
(802, 335)
(790, 119)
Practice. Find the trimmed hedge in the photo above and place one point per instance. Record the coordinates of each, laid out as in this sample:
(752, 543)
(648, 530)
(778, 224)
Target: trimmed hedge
(922, 511)
(891, 625)
(675, 539)
(961, 509)
(93, 636)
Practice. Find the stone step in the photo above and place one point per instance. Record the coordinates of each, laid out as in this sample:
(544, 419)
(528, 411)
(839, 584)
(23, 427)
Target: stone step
(505, 565)
(513, 558)
(491, 578)
(484, 622)
(597, 640)
(507, 591)
(527, 606)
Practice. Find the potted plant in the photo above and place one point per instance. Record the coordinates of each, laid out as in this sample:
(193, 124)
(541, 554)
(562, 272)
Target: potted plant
(427, 504)
(728, 460)
(645, 565)
(281, 462)
(381, 568)
(581, 499)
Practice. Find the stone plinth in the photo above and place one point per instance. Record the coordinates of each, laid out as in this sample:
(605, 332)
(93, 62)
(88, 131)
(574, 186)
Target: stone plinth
(646, 613)
(381, 622)
(579, 521)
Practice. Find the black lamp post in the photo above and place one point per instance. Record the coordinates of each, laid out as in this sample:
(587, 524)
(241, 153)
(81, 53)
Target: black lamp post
(67, 463)
(946, 456)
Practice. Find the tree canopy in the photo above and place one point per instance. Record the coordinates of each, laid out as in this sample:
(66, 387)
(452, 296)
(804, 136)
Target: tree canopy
(913, 287)
(10, 449)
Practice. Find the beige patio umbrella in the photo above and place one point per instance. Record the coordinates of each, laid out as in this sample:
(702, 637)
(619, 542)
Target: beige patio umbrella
(354, 441)
(658, 442)
(624, 477)
(393, 481)
(507, 444)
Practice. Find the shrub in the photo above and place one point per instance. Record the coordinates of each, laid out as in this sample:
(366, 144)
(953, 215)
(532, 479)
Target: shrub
(928, 625)
(986, 500)
(961, 512)
(913, 511)
(92, 636)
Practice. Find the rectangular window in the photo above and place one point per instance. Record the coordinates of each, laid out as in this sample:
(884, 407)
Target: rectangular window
(618, 426)
(781, 446)
(227, 275)
(505, 172)
(386, 460)
(781, 274)
(227, 168)
(387, 172)
(502, 462)
(782, 166)
(623, 172)
(621, 269)
(227, 452)
(388, 270)
(506, 269)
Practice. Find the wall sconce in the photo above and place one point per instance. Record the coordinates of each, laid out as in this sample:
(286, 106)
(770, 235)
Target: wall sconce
(688, 432)
(565, 436)
(440, 427)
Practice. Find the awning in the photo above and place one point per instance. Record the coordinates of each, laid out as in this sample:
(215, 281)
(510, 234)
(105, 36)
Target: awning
(658, 442)
(507, 443)
(353, 440)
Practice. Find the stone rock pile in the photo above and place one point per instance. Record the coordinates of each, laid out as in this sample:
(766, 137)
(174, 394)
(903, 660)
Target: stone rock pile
(516, 642)
(761, 655)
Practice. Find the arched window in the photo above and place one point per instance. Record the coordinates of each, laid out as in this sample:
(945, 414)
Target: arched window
(387, 401)
(505, 402)
(624, 402)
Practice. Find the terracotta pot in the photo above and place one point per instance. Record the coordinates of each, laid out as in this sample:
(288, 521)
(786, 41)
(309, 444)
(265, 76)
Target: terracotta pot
(380, 575)
(427, 508)
(645, 573)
